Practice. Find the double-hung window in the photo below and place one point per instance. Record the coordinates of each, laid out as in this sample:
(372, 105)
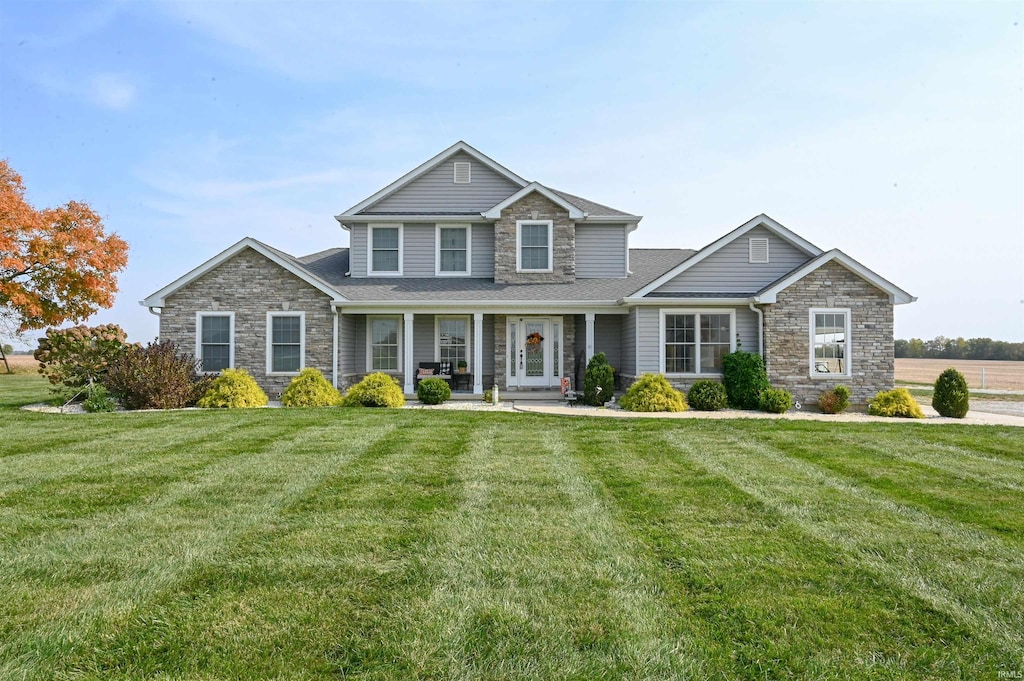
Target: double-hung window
(453, 340)
(215, 334)
(386, 249)
(285, 342)
(453, 249)
(384, 337)
(693, 341)
(533, 245)
(830, 342)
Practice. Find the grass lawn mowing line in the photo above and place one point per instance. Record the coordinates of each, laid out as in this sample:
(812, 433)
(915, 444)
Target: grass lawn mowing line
(958, 570)
(533, 579)
(19, 389)
(767, 603)
(105, 573)
(316, 593)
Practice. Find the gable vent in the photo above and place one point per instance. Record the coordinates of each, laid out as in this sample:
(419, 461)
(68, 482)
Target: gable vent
(462, 172)
(758, 250)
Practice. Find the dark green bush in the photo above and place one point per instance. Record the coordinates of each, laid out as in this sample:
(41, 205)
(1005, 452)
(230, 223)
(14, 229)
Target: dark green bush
(310, 389)
(834, 400)
(73, 357)
(744, 378)
(707, 395)
(898, 403)
(775, 400)
(376, 390)
(599, 375)
(951, 397)
(157, 376)
(99, 400)
(233, 389)
(433, 390)
(653, 392)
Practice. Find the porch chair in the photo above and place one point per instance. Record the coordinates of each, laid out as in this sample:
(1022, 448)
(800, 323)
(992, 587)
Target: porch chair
(441, 370)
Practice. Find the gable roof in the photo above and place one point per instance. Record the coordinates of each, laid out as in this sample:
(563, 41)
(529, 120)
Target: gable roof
(761, 220)
(594, 209)
(419, 170)
(575, 213)
(281, 258)
(770, 292)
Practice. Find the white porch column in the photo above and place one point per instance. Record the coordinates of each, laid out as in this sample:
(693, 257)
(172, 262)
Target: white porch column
(590, 336)
(478, 353)
(407, 344)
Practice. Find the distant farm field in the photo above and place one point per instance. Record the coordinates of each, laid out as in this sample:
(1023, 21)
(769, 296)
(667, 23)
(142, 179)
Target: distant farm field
(998, 375)
(21, 363)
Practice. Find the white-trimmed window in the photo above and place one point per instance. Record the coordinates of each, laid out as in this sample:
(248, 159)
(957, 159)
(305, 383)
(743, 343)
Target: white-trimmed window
(830, 342)
(757, 248)
(452, 334)
(693, 341)
(454, 245)
(384, 344)
(286, 342)
(533, 245)
(215, 341)
(385, 248)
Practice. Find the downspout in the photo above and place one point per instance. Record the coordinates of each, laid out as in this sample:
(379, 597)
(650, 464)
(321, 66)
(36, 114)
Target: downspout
(334, 368)
(158, 315)
(760, 327)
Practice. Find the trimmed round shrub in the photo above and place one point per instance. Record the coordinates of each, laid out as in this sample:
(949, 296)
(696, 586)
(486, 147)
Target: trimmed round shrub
(233, 389)
(376, 390)
(599, 375)
(898, 403)
(707, 395)
(310, 389)
(834, 400)
(951, 397)
(744, 378)
(776, 400)
(653, 392)
(433, 390)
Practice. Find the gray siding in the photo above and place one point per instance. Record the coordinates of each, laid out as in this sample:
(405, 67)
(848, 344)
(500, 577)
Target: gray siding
(628, 360)
(608, 338)
(348, 339)
(649, 337)
(418, 250)
(436, 192)
(729, 269)
(423, 339)
(483, 251)
(600, 251)
(357, 324)
(357, 250)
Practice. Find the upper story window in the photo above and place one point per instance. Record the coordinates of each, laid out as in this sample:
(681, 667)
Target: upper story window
(830, 342)
(533, 245)
(693, 341)
(386, 249)
(285, 342)
(453, 250)
(215, 340)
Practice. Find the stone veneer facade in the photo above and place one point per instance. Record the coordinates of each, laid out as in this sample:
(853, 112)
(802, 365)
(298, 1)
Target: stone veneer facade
(250, 285)
(535, 206)
(787, 335)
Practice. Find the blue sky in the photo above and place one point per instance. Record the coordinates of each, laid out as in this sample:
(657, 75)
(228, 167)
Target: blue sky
(894, 131)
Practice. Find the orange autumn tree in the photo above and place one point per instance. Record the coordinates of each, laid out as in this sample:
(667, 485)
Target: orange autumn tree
(57, 265)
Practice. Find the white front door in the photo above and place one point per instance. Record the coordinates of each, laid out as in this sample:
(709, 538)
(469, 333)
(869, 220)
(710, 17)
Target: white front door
(534, 344)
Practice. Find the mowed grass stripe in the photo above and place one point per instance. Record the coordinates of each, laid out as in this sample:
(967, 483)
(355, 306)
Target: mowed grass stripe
(764, 598)
(64, 588)
(956, 568)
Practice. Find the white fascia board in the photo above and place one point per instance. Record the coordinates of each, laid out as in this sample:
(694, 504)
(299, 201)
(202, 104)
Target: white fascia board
(628, 220)
(897, 295)
(761, 220)
(482, 306)
(347, 220)
(683, 300)
(575, 213)
(419, 170)
(157, 299)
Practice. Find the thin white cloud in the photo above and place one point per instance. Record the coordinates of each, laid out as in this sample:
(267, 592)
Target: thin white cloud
(112, 91)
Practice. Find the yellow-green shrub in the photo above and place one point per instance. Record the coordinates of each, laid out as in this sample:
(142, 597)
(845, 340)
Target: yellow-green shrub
(653, 392)
(310, 389)
(897, 403)
(376, 390)
(233, 389)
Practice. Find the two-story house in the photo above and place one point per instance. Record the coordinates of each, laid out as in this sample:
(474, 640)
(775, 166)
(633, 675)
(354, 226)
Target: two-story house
(462, 259)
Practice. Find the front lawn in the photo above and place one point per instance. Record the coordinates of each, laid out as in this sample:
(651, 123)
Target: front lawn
(365, 544)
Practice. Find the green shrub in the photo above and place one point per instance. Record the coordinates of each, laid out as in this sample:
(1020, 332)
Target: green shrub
(99, 400)
(433, 390)
(653, 392)
(707, 395)
(72, 357)
(897, 403)
(157, 376)
(233, 389)
(834, 400)
(744, 378)
(951, 397)
(775, 400)
(488, 396)
(376, 390)
(599, 375)
(310, 389)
